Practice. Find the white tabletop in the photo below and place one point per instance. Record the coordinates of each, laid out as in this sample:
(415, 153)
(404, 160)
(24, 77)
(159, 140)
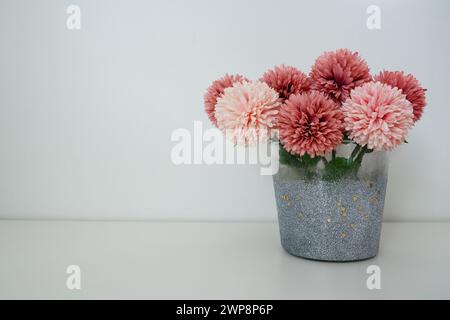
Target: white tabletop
(149, 260)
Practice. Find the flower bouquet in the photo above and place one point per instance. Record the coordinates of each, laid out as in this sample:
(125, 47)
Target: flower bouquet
(333, 128)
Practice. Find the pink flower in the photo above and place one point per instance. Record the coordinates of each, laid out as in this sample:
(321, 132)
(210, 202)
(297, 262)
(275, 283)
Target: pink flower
(216, 90)
(409, 86)
(377, 115)
(310, 123)
(337, 73)
(247, 112)
(286, 81)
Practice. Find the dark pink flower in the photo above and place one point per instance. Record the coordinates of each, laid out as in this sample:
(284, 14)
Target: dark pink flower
(216, 90)
(337, 73)
(286, 81)
(409, 86)
(310, 123)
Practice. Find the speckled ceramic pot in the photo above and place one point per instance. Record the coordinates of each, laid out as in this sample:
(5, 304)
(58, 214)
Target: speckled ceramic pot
(332, 217)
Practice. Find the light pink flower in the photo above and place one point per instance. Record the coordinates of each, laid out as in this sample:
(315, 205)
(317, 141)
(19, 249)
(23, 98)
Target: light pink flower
(310, 123)
(337, 73)
(409, 86)
(216, 90)
(247, 112)
(286, 81)
(377, 115)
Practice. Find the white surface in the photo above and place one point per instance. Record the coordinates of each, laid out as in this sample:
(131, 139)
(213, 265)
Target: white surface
(210, 260)
(86, 116)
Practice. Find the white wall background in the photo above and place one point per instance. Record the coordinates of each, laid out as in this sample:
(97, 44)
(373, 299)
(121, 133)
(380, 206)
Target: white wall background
(86, 116)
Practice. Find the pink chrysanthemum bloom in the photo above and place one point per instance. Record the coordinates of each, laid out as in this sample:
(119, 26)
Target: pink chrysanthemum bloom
(216, 90)
(286, 81)
(409, 86)
(247, 112)
(310, 123)
(377, 116)
(337, 73)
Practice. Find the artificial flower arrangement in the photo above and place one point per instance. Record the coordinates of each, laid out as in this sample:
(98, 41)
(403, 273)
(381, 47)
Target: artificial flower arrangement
(338, 104)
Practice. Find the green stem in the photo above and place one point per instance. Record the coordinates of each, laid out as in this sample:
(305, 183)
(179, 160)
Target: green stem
(354, 153)
(333, 154)
(360, 156)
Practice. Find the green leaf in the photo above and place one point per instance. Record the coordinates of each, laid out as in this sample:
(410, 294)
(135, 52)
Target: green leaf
(308, 161)
(306, 165)
(287, 158)
(338, 167)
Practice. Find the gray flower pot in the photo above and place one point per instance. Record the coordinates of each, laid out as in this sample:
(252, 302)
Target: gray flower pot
(332, 217)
